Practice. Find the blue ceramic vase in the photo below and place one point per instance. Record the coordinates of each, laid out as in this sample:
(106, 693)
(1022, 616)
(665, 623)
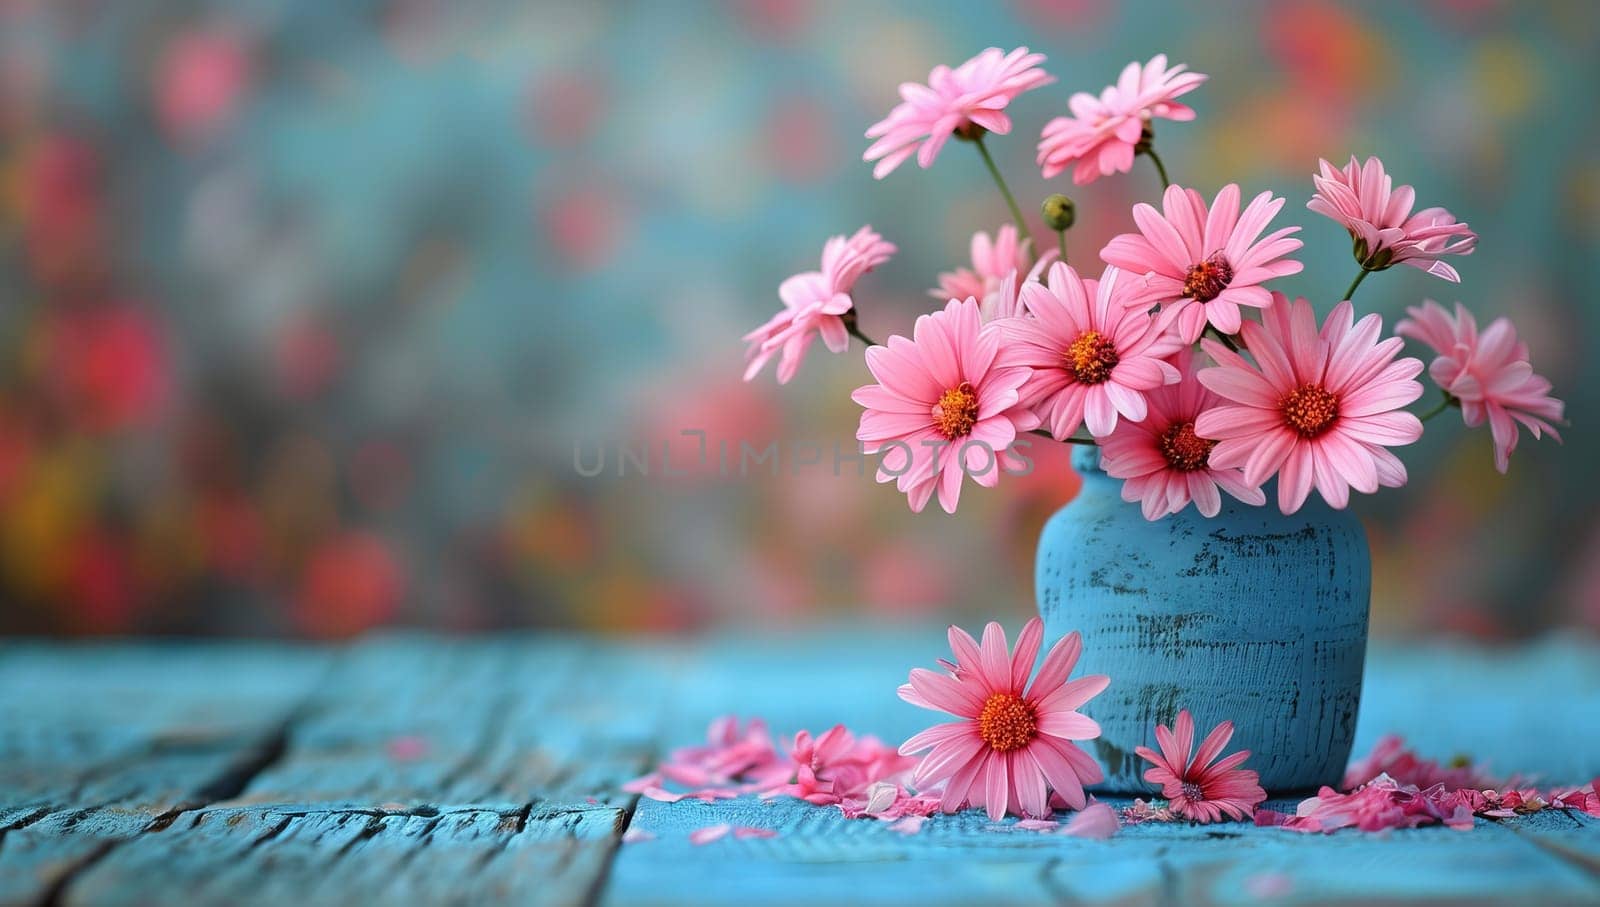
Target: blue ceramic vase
(1251, 616)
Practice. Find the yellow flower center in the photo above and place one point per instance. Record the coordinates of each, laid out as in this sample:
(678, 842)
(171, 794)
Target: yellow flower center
(1309, 410)
(1091, 358)
(1185, 451)
(1207, 279)
(956, 412)
(1006, 722)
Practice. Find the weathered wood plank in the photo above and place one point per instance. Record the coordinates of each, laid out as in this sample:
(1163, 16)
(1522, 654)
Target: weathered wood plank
(147, 726)
(261, 855)
(419, 769)
(404, 722)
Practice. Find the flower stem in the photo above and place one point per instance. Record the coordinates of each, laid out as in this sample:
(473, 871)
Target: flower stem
(1011, 201)
(1061, 243)
(1161, 168)
(1226, 340)
(1086, 442)
(850, 325)
(1350, 293)
(1445, 403)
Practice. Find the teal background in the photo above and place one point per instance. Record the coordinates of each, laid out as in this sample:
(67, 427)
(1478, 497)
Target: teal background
(304, 306)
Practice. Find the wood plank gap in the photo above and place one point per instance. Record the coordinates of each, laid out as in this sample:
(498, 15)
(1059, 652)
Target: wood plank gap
(23, 822)
(629, 808)
(52, 896)
(1584, 861)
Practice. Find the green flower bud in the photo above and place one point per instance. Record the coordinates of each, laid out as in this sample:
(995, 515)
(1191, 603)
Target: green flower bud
(1059, 212)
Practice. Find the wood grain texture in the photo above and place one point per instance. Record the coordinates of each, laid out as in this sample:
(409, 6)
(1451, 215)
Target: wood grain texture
(424, 770)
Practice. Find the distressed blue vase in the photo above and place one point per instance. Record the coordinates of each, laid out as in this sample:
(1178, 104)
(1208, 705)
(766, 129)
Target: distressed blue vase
(1251, 616)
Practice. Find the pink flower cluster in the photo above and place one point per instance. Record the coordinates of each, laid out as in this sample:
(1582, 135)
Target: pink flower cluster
(1025, 344)
(1395, 788)
(860, 775)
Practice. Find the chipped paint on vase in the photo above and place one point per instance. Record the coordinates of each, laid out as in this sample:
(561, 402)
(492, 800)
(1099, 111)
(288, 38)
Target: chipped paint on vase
(1252, 616)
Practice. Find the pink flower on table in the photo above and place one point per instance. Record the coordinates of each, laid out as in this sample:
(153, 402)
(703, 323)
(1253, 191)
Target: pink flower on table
(1390, 756)
(1381, 804)
(944, 407)
(1363, 199)
(1102, 134)
(1202, 789)
(962, 101)
(836, 765)
(1093, 356)
(1204, 263)
(1096, 821)
(992, 261)
(1163, 464)
(1487, 372)
(815, 303)
(1315, 408)
(1014, 742)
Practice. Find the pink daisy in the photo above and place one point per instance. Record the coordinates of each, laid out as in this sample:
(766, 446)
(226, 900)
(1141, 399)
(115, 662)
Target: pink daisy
(1103, 133)
(992, 260)
(1316, 408)
(1014, 742)
(1488, 373)
(815, 302)
(1201, 789)
(1379, 218)
(1163, 463)
(962, 101)
(1205, 263)
(1093, 356)
(943, 407)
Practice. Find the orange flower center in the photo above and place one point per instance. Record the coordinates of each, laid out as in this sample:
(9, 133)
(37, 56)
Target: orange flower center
(1006, 722)
(1185, 451)
(956, 412)
(1309, 410)
(1207, 279)
(1091, 358)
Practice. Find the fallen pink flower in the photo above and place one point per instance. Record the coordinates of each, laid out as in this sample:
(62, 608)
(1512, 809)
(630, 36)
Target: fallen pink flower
(746, 831)
(1096, 821)
(702, 836)
(1381, 804)
(910, 825)
(1390, 756)
(1035, 824)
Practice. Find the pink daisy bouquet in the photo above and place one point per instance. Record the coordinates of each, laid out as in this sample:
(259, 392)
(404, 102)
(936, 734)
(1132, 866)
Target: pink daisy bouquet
(1174, 353)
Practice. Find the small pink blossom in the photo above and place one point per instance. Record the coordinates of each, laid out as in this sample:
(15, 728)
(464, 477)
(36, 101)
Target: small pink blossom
(1014, 742)
(992, 261)
(1103, 133)
(1362, 198)
(1487, 372)
(1381, 804)
(836, 765)
(1163, 464)
(746, 832)
(637, 836)
(815, 303)
(1390, 756)
(1204, 263)
(1316, 408)
(963, 101)
(944, 407)
(1204, 788)
(1096, 821)
(1093, 358)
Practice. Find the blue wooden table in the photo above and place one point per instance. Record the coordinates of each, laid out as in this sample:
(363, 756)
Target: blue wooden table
(422, 769)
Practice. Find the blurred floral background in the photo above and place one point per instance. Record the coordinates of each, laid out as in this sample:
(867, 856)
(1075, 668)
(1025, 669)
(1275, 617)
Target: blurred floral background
(306, 308)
